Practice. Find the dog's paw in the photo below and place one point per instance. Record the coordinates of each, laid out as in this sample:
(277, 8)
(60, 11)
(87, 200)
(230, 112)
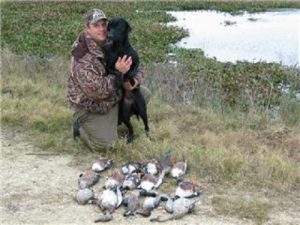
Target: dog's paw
(129, 139)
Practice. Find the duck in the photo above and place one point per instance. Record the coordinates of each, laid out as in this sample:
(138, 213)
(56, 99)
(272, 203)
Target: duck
(102, 164)
(115, 180)
(131, 167)
(165, 162)
(169, 204)
(152, 167)
(131, 203)
(84, 196)
(188, 189)
(131, 181)
(109, 200)
(150, 182)
(88, 179)
(178, 206)
(179, 169)
(149, 204)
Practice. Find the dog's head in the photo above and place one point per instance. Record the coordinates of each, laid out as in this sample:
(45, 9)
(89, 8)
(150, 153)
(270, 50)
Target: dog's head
(118, 29)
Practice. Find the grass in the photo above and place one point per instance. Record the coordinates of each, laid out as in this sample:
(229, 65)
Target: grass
(49, 28)
(253, 209)
(34, 29)
(222, 147)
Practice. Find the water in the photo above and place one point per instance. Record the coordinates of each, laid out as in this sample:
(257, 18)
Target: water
(270, 36)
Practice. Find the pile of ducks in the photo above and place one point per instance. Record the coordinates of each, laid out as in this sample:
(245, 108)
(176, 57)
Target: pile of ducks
(135, 186)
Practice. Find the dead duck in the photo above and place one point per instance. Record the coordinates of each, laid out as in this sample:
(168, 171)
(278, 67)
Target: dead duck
(131, 181)
(84, 196)
(88, 179)
(152, 167)
(131, 167)
(131, 203)
(188, 189)
(102, 164)
(169, 204)
(165, 162)
(115, 180)
(179, 169)
(179, 207)
(108, 200)
(149, 204)
(150, 182)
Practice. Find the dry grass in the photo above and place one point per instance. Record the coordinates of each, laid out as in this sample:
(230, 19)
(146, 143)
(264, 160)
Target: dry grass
(253, 209)
(222, 147)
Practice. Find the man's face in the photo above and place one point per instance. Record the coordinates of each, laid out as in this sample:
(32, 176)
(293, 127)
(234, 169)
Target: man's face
(98, 31)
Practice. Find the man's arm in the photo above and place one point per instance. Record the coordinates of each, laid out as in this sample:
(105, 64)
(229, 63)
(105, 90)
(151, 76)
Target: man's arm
(95, 86)
(101, 86)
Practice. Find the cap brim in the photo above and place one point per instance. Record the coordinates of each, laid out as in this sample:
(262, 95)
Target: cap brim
(97, 20)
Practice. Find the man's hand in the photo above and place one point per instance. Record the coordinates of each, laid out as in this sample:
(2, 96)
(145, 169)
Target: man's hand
(123, 64)
(128, 87)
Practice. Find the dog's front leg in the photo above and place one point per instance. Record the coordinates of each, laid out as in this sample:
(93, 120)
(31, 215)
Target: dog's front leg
(125, 114)
(141, 107)
(130, 131)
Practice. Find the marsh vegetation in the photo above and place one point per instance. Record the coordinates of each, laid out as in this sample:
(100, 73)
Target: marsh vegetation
(231, 121)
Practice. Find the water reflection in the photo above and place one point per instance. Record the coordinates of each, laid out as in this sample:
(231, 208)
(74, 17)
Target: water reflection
(269, 36)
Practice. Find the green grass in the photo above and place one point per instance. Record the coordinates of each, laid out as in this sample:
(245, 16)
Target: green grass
(244, 86)
(253, 209)
(35, 28)
(49, 28)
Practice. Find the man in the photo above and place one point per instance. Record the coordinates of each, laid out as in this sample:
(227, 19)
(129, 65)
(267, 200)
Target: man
(92, 93)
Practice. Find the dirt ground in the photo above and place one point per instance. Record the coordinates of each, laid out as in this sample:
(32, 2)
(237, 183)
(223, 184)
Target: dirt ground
(38, 188)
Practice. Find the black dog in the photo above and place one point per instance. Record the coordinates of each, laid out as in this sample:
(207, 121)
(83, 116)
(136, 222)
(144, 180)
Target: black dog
(133, 102)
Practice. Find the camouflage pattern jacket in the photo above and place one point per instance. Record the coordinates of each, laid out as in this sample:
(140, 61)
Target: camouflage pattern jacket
(89, 87)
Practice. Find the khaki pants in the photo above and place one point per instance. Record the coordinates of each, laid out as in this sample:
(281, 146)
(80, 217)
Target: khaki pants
(99, 131)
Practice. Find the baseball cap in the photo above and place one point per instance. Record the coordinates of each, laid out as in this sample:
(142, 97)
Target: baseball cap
(94, 16)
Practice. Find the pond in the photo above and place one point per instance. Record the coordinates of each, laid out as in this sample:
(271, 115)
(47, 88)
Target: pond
(272, 36)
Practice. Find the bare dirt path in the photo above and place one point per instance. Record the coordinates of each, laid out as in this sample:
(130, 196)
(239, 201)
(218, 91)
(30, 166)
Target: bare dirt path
(39, 189)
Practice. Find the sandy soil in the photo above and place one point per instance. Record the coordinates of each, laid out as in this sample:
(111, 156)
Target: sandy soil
(38, 188)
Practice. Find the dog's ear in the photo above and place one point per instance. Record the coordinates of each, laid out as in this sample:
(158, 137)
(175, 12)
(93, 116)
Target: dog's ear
(108, 24)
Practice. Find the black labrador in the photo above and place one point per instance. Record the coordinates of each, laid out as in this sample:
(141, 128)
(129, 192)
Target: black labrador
(133, 102)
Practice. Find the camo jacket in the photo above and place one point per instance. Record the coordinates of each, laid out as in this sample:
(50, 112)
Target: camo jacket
(89, 87)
